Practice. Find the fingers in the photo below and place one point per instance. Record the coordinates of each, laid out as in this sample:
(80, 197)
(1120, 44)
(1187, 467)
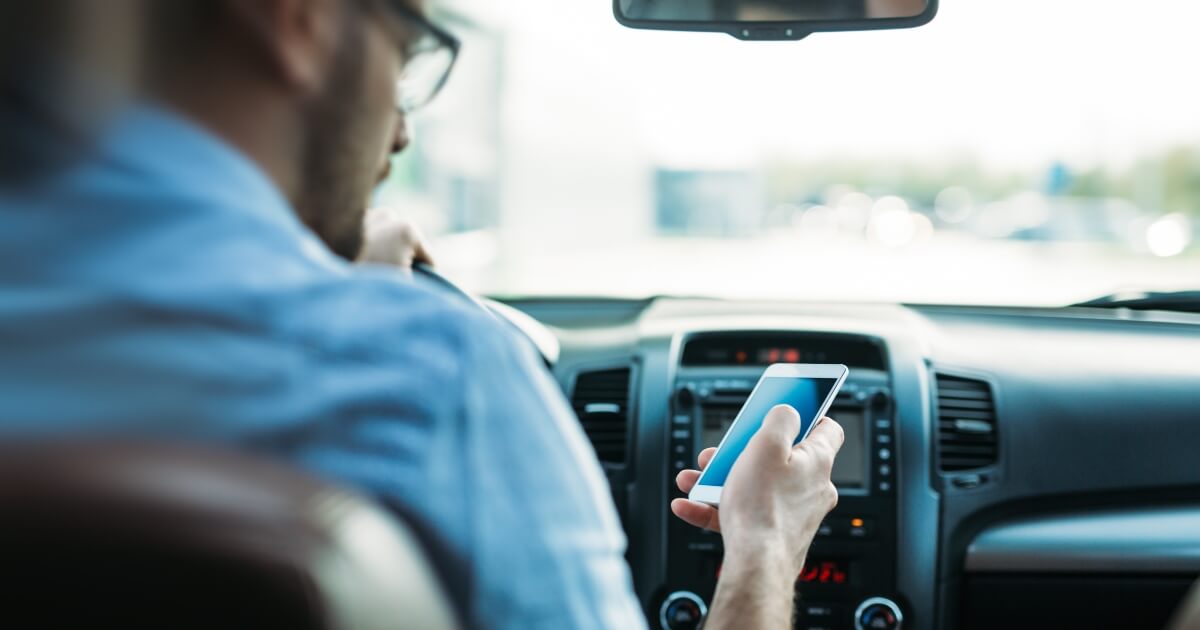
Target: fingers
(390, 240)
(827, 433)
(825, 440)
(376, 215)
(686, 480)
(421, 254)
(778, 432)
(697, 514)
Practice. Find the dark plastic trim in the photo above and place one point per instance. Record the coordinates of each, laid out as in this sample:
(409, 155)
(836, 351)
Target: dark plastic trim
(1143, 540)
(778, 31)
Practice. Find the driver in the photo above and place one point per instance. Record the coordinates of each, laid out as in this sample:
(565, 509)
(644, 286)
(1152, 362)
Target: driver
(188, 295)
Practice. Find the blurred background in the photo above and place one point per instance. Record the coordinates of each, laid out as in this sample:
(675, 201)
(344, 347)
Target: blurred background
(1017, 152)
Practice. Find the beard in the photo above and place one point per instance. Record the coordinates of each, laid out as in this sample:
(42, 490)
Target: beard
(339, 167)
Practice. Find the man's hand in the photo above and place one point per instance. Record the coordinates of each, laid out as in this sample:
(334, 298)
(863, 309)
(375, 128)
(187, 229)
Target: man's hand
(390, 240)
(772, 503)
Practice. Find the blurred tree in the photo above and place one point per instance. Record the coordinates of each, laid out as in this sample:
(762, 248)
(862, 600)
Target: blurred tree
(1164, 182)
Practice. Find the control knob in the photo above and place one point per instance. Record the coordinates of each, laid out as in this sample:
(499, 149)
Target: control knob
(878, 613)
(682, 610)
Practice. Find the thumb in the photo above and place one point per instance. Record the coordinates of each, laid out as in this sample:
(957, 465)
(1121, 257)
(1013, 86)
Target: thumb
(778, 432)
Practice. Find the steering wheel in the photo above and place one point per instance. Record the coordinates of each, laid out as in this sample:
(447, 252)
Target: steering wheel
(543, 340)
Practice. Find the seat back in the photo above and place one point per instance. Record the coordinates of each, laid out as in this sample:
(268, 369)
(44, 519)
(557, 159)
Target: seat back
(1187, 616)
(140, 535)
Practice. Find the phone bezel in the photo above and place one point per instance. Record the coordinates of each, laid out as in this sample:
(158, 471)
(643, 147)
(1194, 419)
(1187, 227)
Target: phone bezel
(712, 494)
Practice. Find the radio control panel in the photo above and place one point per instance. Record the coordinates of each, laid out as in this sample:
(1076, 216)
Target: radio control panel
(853, 558)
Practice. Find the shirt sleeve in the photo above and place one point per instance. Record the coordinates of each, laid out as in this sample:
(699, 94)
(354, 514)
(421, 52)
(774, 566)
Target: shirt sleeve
(450, 419)
(549, 544)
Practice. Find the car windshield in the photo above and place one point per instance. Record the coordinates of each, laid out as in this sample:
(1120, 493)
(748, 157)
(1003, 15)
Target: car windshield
(1022, 152)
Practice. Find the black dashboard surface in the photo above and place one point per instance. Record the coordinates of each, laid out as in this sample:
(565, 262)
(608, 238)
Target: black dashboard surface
(1093, 410)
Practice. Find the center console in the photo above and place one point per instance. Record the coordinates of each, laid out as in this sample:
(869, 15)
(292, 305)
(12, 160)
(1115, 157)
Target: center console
(850, 579)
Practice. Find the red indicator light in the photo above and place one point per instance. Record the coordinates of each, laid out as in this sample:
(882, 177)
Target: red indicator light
(791, 355)
(824, 572)
(826, 575)
(740, 356)
(819, 572)
(773, 355)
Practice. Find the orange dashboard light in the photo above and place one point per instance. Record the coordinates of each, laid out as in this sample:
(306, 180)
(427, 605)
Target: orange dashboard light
(856, 522)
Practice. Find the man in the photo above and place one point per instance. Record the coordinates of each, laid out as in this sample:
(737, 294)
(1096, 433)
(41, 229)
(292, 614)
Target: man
(186, 295)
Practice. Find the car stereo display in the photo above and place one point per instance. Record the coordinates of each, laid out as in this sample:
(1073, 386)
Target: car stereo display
(849, 469)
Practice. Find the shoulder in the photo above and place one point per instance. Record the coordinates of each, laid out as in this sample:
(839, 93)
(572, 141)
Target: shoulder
(375, 315)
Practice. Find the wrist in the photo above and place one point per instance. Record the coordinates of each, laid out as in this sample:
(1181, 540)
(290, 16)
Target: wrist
(757, 587)
(770, 559)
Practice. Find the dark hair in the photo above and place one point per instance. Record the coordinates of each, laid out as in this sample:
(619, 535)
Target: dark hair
(176, 31)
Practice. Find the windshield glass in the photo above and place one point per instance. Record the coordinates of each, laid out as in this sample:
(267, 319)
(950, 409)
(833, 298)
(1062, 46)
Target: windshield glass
(1020, 152)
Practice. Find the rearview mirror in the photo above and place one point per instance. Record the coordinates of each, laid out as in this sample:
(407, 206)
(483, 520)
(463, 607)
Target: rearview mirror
(773, 19)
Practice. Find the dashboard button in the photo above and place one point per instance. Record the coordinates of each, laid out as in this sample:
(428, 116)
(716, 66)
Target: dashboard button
(883, 438)
(885, 470)
(860, 528)
(682, 419)
(883, 424)
(968, 482)
(681, 434)
(685, 397)
(885, 454)
(885, 486)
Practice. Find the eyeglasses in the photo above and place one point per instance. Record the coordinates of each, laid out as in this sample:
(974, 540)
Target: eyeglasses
(428, 56)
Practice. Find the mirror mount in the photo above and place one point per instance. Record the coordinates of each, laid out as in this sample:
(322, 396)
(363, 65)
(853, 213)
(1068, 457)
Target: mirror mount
(767, 32)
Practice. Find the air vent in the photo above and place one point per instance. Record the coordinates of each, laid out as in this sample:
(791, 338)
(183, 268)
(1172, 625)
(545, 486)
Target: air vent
(966, 416)
(601, 400)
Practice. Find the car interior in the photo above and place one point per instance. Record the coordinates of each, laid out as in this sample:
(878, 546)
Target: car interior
(1009, 274)
(1008, 463)
(139, 534)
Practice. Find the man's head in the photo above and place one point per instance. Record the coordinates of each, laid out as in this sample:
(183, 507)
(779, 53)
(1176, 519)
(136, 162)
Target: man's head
(307, 88)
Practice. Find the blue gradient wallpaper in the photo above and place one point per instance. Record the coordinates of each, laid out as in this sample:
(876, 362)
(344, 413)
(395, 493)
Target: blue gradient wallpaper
(805, 395)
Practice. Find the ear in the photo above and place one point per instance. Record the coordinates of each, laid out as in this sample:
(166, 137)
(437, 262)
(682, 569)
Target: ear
(298, 38)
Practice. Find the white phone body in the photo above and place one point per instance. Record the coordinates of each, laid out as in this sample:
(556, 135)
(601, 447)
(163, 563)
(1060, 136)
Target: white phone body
(770, 385)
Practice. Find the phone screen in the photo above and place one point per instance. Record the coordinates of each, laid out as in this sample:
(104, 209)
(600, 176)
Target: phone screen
(805, 394)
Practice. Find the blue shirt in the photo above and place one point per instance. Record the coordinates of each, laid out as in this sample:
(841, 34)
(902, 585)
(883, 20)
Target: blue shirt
(166, 287)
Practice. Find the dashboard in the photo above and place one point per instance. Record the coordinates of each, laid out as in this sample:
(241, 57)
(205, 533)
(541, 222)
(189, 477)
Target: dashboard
(1003, 467)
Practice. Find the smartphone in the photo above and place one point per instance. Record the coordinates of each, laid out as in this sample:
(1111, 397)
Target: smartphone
(808, 388)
